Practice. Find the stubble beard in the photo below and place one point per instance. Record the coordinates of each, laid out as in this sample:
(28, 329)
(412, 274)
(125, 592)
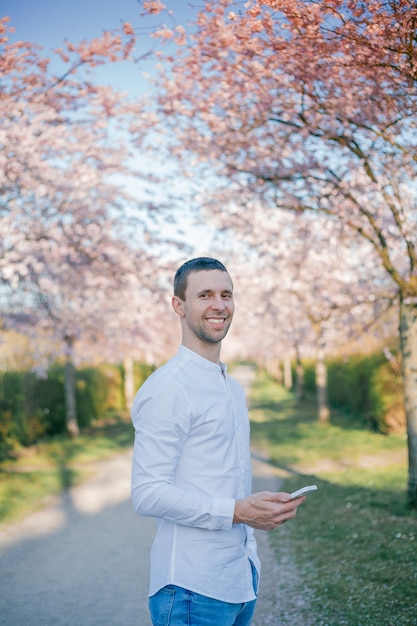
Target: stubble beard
(210, 337)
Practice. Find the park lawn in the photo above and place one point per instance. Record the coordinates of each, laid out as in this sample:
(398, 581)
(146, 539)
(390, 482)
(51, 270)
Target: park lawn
(51, 466)
(354, 542)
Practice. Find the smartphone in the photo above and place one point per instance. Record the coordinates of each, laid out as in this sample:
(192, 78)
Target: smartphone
(302, 491)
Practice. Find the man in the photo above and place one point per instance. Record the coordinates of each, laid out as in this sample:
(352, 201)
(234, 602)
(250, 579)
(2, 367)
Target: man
(192, 467)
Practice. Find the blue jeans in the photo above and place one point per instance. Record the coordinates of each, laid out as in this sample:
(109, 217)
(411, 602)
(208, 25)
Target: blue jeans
(175, 606)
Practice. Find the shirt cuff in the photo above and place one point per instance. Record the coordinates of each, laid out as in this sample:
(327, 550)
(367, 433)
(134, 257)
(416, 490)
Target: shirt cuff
(223, 512)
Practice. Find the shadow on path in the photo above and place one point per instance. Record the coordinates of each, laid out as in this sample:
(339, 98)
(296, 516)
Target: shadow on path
(81, 560)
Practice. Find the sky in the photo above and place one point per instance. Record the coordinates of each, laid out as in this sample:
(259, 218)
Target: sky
(49, 22)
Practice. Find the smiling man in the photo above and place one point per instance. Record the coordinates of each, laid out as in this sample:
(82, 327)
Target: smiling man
(204, 302)
(192, 468)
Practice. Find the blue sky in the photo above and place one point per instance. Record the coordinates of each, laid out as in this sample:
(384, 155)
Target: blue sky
(49, 22)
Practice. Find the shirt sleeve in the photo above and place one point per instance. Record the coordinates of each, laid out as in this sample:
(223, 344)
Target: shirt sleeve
(162, 422)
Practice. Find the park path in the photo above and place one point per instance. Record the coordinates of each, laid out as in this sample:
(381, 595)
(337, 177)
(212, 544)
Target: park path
(83, 559)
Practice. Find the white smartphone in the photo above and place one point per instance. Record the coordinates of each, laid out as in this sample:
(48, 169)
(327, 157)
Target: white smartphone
(302, 491)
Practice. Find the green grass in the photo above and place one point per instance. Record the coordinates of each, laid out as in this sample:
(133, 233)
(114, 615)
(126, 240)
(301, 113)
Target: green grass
(57, 464)
(354, 543)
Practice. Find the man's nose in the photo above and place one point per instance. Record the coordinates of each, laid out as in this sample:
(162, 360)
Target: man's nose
(218, 302)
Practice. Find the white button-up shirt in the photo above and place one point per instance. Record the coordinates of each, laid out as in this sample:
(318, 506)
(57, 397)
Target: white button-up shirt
(191, 462)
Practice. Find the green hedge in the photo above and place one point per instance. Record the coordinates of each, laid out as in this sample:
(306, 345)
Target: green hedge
(141, 372)
(366, 386)
(32, 407)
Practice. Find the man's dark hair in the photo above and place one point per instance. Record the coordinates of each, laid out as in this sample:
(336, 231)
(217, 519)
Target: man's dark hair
(193, 265)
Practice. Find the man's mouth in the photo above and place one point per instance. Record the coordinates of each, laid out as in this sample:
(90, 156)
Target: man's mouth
(216, 320)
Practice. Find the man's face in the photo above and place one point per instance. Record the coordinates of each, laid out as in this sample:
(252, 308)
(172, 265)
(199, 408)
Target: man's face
(208, 307)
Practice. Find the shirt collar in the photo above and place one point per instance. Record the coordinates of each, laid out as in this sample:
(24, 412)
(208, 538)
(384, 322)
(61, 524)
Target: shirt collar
(200, 361)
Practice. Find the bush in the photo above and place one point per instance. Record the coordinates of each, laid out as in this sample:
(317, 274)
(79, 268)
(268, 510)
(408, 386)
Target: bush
(21, 416)
(11, 395)
(141, 372)
(386, 400)
(367, 386)
(113, 385)
(33, 407)
(350, 381)
(46, 399)
(309, 376)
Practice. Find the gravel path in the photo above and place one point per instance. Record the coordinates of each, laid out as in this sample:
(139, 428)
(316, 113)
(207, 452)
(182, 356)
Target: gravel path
(283, 599)
(83, 559)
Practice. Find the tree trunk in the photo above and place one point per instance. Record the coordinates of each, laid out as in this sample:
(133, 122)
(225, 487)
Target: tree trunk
(408, 336)
(321, 386)
(299, 377)
(287, 372)
(129, 382)
(299, 382)
(278, 371)
(70, 399)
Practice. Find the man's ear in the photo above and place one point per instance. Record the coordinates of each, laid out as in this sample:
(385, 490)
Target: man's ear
(177, 306)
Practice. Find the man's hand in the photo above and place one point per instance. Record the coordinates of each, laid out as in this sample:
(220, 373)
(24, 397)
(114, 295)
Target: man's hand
(266, 510)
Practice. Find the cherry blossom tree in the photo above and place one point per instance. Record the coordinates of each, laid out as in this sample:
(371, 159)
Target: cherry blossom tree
(311, 106)
(55, 138)
(314, 289)
(73, 238)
